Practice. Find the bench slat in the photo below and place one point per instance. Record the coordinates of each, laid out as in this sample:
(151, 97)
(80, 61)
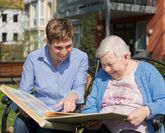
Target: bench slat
(10, 69)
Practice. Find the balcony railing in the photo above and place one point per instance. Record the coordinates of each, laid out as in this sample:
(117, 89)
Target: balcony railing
(74, 7)
(137, 2)
(88, 2)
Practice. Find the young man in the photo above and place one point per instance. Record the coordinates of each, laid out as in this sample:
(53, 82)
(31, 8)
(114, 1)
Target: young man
(57, 72)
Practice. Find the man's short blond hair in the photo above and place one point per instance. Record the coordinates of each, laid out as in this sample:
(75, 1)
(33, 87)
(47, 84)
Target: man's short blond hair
(59, 29)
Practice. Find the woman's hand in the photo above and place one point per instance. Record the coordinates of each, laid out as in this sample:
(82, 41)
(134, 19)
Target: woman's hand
(138, 115)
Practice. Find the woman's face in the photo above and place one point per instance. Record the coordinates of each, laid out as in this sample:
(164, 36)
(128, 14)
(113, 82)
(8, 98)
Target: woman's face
(114, 66)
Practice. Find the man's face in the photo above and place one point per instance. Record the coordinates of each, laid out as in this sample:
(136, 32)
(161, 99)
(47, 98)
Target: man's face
(60, 51)
(114, 66)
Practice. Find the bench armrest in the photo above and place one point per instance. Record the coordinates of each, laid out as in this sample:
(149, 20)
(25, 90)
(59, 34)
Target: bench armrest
(7, 101)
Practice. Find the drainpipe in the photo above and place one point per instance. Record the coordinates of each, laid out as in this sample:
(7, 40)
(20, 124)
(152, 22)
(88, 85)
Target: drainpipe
(0, 51)
(107, 18)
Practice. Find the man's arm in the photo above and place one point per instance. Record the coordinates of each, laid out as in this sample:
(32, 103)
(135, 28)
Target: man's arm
(27, 78)
(76, 95)
(80, 80)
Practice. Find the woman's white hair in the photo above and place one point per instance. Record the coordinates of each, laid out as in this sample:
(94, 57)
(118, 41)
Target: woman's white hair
(113, 44)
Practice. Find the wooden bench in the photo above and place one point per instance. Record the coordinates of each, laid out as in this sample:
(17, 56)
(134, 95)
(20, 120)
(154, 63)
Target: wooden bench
(9, 71)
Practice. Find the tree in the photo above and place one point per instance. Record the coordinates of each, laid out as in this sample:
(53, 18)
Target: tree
(87, 40)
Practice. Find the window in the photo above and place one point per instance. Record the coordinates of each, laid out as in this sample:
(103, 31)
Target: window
(42, 19)
(76, 35)
(34, 16)
(4, 17)
(15, 18)
(15, 37)
(42, 8)
(127, 32)
(4, 37)
(140, 44)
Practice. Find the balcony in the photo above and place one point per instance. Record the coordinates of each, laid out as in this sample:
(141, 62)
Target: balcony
(138, 2)
(74, 8)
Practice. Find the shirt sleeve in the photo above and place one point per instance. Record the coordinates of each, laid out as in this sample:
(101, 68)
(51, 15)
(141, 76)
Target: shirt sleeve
(80, 80)
(27, 78)
(91, 106)
(94, 100)
(157, 91)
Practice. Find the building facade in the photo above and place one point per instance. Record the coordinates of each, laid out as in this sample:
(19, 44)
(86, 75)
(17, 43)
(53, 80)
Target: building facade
(11, 29)
(37, 14)
(11, 21)
(140, 23)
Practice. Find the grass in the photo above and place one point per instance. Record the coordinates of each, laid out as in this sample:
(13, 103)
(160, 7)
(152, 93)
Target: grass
(12, 115)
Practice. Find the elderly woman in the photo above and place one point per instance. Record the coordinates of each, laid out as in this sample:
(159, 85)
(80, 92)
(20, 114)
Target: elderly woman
(125, 86)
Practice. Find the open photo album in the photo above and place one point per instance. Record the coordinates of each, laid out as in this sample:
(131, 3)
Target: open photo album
(46, 117)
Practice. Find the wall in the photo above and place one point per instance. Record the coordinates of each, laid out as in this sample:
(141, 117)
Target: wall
(156, 43)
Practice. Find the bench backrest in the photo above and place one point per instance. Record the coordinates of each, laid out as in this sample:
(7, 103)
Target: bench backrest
(10, 69)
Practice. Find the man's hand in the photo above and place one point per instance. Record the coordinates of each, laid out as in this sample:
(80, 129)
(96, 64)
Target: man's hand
(68, 103)
(138, 115)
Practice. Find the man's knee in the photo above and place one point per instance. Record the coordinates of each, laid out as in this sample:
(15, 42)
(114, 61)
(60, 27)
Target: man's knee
(19, 125)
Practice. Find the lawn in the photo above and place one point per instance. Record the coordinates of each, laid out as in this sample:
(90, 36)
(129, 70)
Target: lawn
(12, 115)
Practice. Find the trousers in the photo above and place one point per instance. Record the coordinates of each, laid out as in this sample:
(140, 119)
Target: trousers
(27, 125)
(104, 129)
